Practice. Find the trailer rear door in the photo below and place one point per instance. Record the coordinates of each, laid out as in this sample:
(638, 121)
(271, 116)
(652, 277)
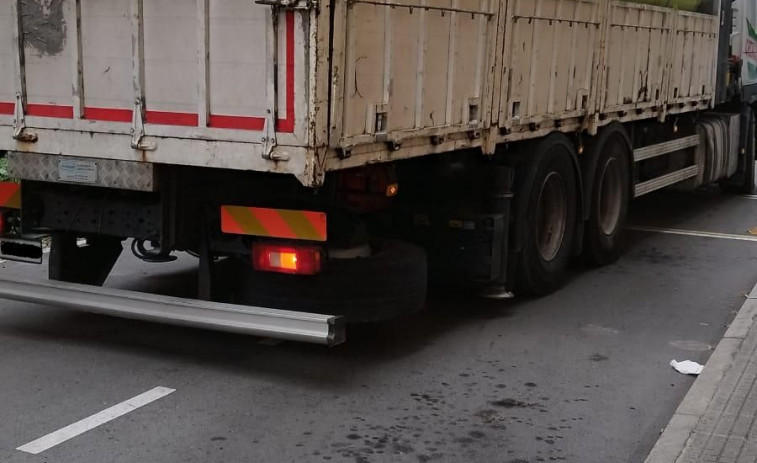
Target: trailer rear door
(197, 82)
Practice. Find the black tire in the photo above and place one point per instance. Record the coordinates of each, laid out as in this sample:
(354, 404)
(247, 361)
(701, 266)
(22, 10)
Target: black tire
(547, 210)
(390, 283)
(610, 192)
(743, 182)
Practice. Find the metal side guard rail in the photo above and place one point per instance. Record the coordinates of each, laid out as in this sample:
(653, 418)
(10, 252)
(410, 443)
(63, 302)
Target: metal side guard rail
(271, 323)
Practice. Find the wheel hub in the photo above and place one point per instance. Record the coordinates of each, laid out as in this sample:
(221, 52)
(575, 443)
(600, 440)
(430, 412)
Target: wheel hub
(552, 216)
(610, 197)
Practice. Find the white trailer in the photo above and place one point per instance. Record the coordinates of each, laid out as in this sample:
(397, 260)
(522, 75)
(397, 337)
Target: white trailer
(167, 121)
(319, 86)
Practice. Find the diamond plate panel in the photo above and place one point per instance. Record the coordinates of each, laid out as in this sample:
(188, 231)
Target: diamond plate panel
(111, 173)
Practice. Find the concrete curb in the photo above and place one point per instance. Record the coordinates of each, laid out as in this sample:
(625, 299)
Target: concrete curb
(675, 437)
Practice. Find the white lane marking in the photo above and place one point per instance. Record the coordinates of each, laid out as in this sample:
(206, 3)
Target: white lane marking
(80, 427)
(701, 234)
(749, 196)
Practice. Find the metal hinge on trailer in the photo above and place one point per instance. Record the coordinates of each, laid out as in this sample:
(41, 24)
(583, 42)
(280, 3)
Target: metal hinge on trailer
(138, 130)
(290, 4)
(269, 140)
(19, 123)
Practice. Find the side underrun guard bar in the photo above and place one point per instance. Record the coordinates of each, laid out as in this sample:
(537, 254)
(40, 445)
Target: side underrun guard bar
(258, 321)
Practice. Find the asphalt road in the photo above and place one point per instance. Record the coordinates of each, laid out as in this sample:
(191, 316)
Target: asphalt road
(580, 376)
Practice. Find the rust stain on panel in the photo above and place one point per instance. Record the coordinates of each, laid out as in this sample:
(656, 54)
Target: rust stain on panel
(44, 25)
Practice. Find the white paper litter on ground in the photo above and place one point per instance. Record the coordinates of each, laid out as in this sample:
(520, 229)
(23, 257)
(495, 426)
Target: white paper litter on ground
(687, 367)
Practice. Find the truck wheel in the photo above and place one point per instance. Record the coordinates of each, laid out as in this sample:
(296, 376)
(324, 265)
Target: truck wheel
(547, 209)
(610, 197)
(743, 182)
(390, 283)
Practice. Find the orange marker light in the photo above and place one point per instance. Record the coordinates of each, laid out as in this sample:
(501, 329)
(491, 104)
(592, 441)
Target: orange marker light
(293, 260)
(392, 190)
(286, 260)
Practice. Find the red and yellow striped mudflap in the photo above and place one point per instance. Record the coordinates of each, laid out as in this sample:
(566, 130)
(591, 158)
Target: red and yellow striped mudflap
(274, 223)
(10, 195)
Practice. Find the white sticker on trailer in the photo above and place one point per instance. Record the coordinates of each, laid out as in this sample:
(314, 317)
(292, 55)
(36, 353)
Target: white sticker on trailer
(75, 171)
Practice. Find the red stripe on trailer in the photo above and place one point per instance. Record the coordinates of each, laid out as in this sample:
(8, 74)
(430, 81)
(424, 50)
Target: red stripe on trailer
(50, 110)
(172, 118)
(236, 122)
(258, 123)
(287, 125)
(184, 119)
(108, 114)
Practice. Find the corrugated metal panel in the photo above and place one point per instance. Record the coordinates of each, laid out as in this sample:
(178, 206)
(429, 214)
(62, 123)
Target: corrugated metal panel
(550, 59)
(415, 66)
(693, 61)
(637, 57)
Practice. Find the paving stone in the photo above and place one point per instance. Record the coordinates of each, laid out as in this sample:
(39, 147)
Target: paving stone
(727, 432)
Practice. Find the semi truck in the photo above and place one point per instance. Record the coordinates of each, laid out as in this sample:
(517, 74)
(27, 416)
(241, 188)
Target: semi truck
(326, 160)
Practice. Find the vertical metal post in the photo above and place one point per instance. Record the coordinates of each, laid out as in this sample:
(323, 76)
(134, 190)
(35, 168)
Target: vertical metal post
(420, 68)
(20, 58)
(572, 97)
(666, 92)
(598, 89)
(597, 56)
(535, 58)
(509, 33)
(272, 71)
(387, 82)
(481, 50)
(349, 89)
(638, 58)
(203, 59)
(451, 61)
(138, 53)
(552, 70)
(75, 39)
(623, 38)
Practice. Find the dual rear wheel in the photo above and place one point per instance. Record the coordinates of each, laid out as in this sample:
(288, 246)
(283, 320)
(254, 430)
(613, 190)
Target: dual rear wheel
(550, 207)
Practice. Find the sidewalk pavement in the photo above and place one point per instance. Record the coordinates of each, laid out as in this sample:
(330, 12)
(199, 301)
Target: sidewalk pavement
(717, 420)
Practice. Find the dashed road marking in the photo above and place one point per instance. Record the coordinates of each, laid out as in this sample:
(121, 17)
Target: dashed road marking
(700, 234)
(80, 427)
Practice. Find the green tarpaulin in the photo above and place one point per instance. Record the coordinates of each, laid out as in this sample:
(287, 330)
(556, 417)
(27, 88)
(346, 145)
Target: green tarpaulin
(687, 5)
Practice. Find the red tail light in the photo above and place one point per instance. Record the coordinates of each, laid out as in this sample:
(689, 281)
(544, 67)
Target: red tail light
(294, 260)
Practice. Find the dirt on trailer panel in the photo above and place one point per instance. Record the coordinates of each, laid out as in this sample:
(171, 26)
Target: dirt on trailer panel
(174, 82)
